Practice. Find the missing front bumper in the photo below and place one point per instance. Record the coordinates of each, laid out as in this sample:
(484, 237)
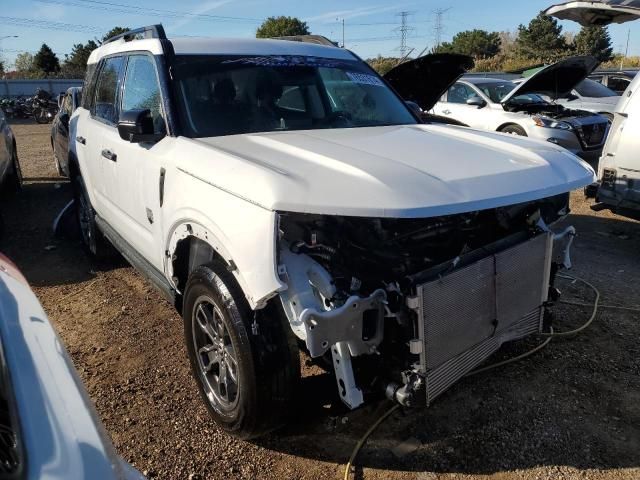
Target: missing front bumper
(466, 315)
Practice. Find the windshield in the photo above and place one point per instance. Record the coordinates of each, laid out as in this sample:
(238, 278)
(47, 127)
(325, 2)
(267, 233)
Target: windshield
(496, 91)
(590, 88)
(227, 95)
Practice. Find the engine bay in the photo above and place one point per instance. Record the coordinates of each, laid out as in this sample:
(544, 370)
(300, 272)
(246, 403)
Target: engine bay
(353, 285)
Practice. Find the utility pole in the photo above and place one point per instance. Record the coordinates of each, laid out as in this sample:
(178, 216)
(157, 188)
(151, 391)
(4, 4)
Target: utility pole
(342, 21)
(438, 29)
(626, 51)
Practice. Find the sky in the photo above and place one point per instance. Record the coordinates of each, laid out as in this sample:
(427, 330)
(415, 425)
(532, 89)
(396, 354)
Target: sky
(371, 26)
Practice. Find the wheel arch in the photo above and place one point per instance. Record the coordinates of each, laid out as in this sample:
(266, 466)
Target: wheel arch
(191, 244)
(509, 124)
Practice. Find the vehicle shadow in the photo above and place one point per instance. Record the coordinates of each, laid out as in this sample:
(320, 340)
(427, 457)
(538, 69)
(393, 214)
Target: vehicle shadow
(574, 404)
(28, 238)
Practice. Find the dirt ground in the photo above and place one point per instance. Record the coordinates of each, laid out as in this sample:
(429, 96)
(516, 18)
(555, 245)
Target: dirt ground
(572, 411)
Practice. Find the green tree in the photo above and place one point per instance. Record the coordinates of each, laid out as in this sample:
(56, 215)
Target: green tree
(1, 67)
(26, 67)
(383, 64)
(542, 40)
(113, 32)
(75, 63)
(46, 61)
(282, 27)
(594, 40)
(475, 43)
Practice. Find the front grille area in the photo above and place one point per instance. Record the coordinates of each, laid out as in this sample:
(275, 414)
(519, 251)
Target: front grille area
(593, 135)
(468, 314)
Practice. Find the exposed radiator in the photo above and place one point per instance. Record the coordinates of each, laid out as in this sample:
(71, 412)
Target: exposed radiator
(468, 314)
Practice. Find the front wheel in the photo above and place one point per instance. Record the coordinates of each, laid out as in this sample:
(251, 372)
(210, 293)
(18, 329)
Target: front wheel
(246, 364)
(514, 130)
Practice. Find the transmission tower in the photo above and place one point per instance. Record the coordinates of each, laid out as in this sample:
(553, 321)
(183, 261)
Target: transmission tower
(404, 29)
(439, 27)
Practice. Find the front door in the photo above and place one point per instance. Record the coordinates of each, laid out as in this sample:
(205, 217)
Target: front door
(454, 105)
(135, 168)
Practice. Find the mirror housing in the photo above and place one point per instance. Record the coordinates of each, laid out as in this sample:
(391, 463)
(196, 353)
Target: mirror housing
(64, 118)
(61, 99)
(136, 126)
(476, 102)
(414, 107)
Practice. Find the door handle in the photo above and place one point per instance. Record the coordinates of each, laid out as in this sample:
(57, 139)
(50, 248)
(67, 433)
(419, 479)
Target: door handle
(81, 140)
(109, 155)
(446, 112)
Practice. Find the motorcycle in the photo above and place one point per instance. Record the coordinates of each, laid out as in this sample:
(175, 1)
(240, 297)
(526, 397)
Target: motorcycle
(43, 107)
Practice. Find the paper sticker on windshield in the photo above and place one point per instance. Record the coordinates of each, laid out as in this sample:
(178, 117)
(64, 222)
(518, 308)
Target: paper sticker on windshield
(365, 79)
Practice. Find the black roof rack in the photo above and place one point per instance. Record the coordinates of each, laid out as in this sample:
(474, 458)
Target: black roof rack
(151, 31)
(317, 39)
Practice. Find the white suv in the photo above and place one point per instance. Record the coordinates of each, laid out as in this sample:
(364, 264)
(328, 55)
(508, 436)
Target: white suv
(283, 196)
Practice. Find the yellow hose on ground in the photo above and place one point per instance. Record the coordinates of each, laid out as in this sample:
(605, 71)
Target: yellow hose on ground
(550, 336)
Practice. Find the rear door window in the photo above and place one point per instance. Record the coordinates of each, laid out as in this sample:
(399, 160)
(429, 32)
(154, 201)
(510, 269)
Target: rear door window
(107, 87)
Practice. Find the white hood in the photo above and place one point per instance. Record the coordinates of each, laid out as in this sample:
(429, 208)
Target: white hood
(397, 171)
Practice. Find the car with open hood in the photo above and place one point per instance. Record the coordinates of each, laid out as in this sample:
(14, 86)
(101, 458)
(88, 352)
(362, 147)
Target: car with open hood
(619, 167)
(591, 96)
(282, 195)
(521, 109)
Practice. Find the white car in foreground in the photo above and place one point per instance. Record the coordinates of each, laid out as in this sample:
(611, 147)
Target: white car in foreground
(520, 109)
(282, 194)
(48, 426)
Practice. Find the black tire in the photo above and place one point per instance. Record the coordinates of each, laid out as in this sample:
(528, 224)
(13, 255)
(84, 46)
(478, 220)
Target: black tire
(266, 357)
(13, 181)
(92, 239)
(514, 130)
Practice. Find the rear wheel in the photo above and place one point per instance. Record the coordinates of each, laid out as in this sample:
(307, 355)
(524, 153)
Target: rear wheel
(514, 130)
(246, 364)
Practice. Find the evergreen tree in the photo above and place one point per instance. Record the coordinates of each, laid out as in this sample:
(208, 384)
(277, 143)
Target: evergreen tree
(46, 61)
(282, 27)
(113, 32)
(75, 64)
(475, 43)
(542, 40)
(594, 40)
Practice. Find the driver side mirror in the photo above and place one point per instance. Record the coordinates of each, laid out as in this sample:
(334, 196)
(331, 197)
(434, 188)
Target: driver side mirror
(136, 126)
(414, 107)
(64, 119)
(476, 102)
(60, 100)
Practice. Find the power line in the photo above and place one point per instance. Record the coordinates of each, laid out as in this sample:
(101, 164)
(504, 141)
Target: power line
(49, 25)
(138, 10)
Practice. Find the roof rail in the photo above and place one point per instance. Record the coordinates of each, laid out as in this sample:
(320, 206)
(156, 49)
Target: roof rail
(317, 39)
(150, 31)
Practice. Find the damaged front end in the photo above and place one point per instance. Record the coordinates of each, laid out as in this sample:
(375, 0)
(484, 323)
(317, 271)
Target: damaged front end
(409, 306)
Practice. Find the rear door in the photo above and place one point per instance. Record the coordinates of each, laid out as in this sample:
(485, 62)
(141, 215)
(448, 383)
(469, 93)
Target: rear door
(135, 170)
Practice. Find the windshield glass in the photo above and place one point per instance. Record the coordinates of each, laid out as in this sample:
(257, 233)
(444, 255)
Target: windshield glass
(227, 95)
(590, 88)
(496, 91)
